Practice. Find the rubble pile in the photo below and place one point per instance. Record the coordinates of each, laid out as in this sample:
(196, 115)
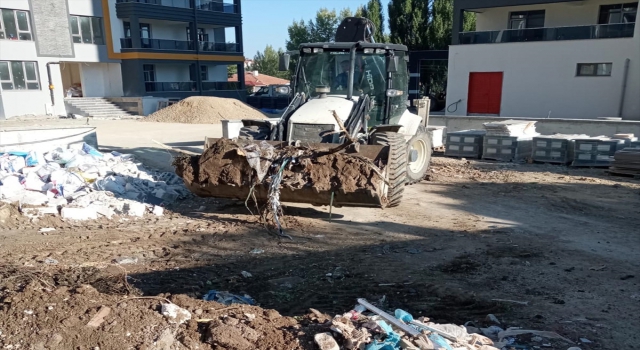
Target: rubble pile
(82, 183)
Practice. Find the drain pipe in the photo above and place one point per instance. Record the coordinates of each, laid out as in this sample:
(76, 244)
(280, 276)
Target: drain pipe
(53, 101)
(624, 87)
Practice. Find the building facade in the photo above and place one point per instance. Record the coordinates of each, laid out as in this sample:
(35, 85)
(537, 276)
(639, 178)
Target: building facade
(546, 58)
(55, 49)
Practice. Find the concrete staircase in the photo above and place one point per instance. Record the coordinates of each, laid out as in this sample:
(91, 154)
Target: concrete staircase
(94, 107)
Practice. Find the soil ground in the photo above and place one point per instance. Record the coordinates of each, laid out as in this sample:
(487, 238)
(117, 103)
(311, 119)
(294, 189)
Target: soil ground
(563, 240)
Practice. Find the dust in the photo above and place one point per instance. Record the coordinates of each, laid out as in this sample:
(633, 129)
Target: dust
(205, 110)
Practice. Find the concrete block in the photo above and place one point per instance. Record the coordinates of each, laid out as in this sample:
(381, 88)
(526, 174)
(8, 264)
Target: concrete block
(137, 209)
(158, 211)
(79, 214)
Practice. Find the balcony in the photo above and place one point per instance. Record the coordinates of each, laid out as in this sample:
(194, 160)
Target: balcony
(158, 44)
(216, 6)
(598, 31)
(220, 85)
(170, 3)
(179, 45)
(182, 86)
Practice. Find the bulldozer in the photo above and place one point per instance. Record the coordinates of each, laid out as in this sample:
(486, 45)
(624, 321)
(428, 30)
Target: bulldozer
(351, 92)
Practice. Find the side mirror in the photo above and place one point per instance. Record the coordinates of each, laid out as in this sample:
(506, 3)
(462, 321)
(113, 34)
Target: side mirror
(283, 65)
(392, 64)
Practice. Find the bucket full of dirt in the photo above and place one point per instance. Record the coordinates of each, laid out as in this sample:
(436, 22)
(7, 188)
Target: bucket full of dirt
(311, 174)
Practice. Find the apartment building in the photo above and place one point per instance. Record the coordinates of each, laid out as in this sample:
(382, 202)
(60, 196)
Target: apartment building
(546, 58)
(56, 52)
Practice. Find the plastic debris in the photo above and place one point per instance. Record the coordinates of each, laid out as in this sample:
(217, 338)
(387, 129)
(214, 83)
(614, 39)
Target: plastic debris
(246, 274)
(227, 298)
(257, 251)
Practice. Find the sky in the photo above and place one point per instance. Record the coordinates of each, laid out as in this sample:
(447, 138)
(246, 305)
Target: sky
(265, 22)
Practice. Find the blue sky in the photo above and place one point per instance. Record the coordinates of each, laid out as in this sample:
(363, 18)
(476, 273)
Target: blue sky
(265, 22)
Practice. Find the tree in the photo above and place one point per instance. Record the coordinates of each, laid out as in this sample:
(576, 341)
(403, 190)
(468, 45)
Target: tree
(266, 62)
(360, 12)
(231, 70)
(373, 11)
(439, 31)
(298, 34)
(408, 21)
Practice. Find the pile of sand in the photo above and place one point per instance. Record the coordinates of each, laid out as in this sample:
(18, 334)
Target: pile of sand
(205, 110)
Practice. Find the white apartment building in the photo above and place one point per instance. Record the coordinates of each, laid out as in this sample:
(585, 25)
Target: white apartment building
(546, 58)
(56, 53)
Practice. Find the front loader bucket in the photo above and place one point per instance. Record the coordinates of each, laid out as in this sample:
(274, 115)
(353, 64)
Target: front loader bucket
(353, 178)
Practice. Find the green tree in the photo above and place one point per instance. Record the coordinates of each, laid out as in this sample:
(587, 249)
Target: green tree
(373, 11)
(231, 70)
(298, 34)
(408, 21)
(323, 29)
(266, 62)
(439, 31)
(360, 12)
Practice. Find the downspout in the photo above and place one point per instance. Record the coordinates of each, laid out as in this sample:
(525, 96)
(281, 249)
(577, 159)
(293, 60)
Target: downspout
(53, 102)
(352, 68)
(624, 87)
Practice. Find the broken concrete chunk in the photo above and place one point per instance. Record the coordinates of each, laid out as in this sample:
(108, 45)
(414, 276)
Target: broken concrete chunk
(326, 341)
(158, 211)
(98, 318)
(175, 314)
(126, 260)
(136, 209)
(79, 214)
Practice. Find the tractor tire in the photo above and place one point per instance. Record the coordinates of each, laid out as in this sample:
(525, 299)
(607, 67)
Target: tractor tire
(254, 132)
(396, 169)
(421, 143)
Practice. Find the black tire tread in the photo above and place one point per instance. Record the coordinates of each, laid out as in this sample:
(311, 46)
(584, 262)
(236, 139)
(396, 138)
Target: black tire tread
(397, 165)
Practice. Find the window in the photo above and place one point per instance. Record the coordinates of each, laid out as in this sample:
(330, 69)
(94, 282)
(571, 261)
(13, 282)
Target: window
(202, 35)
(204, 73)
(14, 25)
(87, 30)
(619, 13)
(526, 19)
(149, 72)
(18, 75)
(594, 69)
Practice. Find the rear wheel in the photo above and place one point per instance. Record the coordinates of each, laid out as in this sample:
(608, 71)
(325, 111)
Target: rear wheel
(396, 169)
(254, 132)
(419, 150)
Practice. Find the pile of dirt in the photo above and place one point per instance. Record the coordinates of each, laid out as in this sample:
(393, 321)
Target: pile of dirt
(36, 312)
(223, 170)
(205, 110)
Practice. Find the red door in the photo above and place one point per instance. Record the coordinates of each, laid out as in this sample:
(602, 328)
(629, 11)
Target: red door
(485, 92)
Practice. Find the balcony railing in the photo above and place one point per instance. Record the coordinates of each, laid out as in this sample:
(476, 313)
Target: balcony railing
(170, 86)
(158, 44)
(219, 47)
(598, 31)
(180, 45)
(220, 85)
(170, 3)
(216, 6)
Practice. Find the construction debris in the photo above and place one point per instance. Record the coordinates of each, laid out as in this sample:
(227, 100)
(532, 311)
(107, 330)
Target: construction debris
(85, 184)
(261, 173)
